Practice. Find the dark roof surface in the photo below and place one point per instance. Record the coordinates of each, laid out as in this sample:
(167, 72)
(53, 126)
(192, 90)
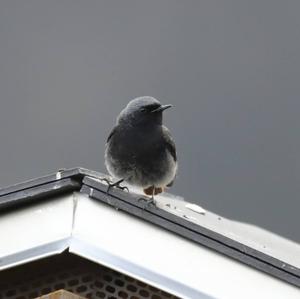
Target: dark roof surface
(87, 181)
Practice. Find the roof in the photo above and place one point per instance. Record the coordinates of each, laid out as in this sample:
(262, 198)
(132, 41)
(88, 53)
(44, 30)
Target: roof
(86, 225)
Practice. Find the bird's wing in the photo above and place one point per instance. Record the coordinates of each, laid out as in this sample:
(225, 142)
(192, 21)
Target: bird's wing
(113, 131)
(169, 142)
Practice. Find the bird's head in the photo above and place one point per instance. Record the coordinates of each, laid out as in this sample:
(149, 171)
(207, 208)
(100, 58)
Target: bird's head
(143, 111)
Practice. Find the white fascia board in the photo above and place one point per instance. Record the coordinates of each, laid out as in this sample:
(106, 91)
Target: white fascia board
(163, 259)
(35, 231)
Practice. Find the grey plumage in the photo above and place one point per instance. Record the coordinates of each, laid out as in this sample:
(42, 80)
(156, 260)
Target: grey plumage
(140, 149)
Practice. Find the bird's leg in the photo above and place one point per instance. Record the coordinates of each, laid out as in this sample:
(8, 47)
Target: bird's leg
(149, 191)
(152, 195)
(116, 184)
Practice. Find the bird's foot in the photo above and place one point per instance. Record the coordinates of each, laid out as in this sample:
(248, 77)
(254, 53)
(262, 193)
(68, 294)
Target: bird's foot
(148, 202)
(117, 184)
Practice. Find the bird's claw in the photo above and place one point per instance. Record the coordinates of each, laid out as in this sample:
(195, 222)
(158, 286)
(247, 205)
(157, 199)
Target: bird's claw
(116, 184)
(122, 188)
(106, 180)
(149, 202)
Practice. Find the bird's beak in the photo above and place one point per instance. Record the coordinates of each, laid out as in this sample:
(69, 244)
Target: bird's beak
(161, 108)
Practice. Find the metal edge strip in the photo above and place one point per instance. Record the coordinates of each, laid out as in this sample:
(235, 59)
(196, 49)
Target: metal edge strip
(21, 197)
(76, 173)
(33, 254)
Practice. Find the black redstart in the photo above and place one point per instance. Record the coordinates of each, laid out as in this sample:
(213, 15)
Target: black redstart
(139, 149)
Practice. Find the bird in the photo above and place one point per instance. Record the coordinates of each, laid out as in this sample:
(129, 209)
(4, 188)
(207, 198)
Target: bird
(140, 150)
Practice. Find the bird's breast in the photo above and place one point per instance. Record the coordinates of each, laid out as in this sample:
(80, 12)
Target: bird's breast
(136, 145)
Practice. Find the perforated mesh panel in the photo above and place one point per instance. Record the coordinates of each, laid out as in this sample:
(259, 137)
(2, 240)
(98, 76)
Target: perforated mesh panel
(73, 274)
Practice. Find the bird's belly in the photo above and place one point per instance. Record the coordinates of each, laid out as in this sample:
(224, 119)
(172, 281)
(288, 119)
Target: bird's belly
(141, 166)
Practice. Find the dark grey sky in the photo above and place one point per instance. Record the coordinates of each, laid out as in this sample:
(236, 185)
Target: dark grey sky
(231, 69)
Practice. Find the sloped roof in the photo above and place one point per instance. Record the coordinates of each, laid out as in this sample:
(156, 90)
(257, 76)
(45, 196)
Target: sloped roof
(245, 243)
